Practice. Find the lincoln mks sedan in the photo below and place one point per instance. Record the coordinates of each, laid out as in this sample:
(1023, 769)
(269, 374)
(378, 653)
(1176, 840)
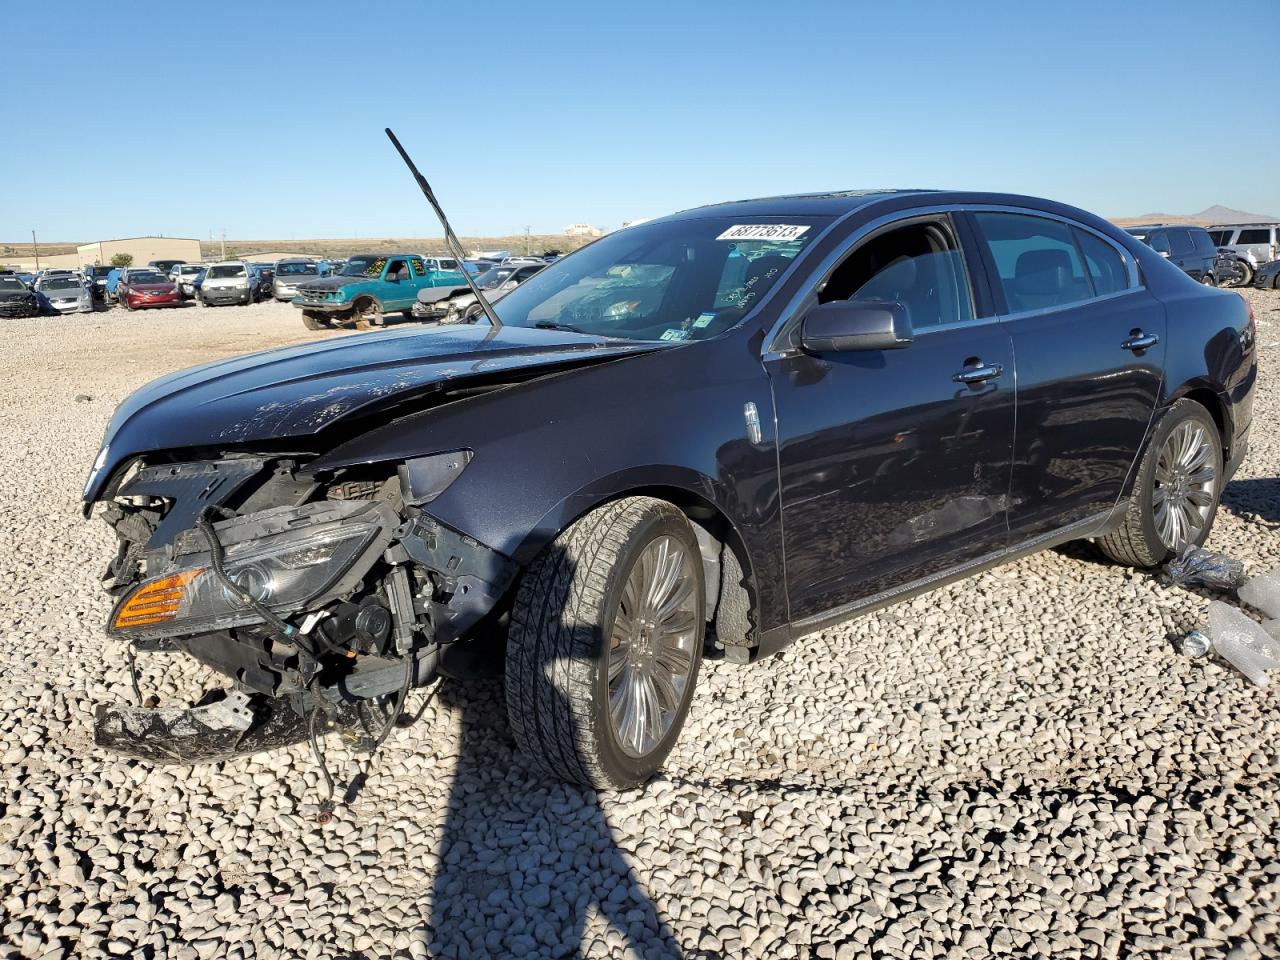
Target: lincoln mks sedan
(708, 434)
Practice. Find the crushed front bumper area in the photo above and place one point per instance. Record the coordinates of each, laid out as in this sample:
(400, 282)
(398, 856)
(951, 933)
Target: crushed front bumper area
(235, 725)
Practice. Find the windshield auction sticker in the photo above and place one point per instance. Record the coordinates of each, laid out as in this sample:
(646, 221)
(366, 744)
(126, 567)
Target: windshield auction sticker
(763, 231)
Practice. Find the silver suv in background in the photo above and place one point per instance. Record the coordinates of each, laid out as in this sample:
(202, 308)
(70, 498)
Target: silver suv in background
(1250, 245)
(232, 281)
(289, 273)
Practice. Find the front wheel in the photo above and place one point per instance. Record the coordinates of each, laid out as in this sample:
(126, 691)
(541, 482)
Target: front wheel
(366, 314)
(1175, 496)
(1208, 279)
(1242, 274)
(313, 320)
(605, 643)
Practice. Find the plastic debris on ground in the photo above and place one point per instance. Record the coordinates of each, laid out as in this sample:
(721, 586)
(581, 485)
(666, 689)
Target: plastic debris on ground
(1262, 593)
(1196, 566)
(1242, 642)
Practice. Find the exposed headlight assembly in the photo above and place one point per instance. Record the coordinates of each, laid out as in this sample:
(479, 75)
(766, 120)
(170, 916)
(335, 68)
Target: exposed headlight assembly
(285, 558)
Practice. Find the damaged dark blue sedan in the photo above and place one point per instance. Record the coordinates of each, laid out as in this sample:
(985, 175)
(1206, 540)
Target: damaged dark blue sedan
(716, 431)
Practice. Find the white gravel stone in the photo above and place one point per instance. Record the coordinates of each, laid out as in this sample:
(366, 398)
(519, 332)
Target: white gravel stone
(1016, 765)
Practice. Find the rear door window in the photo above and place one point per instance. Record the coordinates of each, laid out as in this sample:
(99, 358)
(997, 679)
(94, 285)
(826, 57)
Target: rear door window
(1107, 269)
(1204, 243)
(1037, 260)
(1180, 243)
(1220, 238)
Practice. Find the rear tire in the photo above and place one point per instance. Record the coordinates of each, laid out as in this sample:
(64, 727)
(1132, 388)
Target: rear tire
(605, 644)
(1158, 512)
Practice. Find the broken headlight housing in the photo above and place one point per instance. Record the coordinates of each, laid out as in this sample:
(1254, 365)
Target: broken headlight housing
(299, 556)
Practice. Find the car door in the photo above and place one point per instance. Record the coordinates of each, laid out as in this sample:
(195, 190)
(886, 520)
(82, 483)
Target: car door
(397, 290)
(1183, 253)
(894, 464)
(1090, 343)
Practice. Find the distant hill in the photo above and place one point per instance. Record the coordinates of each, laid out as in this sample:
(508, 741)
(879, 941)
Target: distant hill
(1214, 214)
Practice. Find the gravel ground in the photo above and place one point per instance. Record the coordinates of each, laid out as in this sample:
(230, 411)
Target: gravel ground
(1018, 765)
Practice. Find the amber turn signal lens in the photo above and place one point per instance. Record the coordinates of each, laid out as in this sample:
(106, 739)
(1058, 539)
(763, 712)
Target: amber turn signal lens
(156, 602)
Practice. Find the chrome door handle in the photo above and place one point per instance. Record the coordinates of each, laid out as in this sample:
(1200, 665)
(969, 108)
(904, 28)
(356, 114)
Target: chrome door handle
(1141, 341)
(979, 374)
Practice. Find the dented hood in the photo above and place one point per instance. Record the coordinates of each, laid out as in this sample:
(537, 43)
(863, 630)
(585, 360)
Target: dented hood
(299, 391)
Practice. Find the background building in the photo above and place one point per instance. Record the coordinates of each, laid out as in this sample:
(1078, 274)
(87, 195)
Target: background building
(142, 249)
(582, 230)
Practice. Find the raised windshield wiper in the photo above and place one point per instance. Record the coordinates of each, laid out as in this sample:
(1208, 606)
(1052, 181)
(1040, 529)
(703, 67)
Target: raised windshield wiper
(552, 325)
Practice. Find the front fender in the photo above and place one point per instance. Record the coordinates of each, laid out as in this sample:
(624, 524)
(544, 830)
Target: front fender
(549, 450)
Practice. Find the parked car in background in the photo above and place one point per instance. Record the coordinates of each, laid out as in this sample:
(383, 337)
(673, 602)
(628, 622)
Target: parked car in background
(1250, 245)
(66, 293)
(96, 277)
(441, 264)
(265, 273)
(1267, 276)
(289, 273)
(27, 278)
(367, 288)
(16, 298)
(1189, 248)
(232, 281)
(163, 266)
(456, 304)
(141, 288)
(185, 276)
(882, 394)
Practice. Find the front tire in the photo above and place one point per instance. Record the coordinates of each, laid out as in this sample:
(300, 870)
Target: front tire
(1175, 497)
(605, 644)
(313, 320)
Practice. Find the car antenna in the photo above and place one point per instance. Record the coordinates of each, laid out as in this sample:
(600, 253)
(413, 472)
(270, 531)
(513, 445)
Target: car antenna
(449, 237)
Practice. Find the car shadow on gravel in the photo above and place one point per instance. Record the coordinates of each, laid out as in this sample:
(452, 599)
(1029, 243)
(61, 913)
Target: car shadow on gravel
(528, 866)
(1257, 499)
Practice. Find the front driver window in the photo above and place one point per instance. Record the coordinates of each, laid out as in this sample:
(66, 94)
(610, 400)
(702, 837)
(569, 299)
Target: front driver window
(918, 265)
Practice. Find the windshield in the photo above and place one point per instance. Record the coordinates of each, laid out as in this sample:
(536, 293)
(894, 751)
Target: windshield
(363, 267)
(491, 278)
(146, 276)
(225, 270)
(678, 280)
(60, 283)
(296, 270)
(189, 270)
(11, 284)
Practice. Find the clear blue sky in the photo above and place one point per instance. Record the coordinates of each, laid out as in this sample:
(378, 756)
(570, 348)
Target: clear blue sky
(266, 118)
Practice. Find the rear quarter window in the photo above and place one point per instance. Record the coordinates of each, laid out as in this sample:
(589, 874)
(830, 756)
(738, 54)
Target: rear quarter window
(1107, 269)
(1254, 236)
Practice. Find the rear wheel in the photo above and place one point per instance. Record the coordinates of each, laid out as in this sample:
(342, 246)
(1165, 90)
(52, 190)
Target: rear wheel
(1175, 497)
(605, 643)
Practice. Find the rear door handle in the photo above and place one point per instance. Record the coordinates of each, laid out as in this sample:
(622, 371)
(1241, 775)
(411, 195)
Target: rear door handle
(979, 374)
(1140, 341)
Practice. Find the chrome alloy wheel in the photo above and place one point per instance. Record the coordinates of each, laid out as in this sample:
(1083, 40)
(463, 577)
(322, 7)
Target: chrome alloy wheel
(651, 646)
(1185, 483)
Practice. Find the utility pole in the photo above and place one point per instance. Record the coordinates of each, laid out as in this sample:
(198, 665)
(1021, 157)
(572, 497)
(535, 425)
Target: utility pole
(527, 249)
(36, 247)
(224, 243)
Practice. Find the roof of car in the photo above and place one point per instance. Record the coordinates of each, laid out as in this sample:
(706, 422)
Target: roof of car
(1258, 223)
(837, 203)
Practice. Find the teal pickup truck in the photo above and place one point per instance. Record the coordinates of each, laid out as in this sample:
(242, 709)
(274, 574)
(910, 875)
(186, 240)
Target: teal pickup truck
(366, 288)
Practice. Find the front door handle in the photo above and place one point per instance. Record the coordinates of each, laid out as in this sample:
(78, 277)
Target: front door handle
(979, 373)
(1140, 341)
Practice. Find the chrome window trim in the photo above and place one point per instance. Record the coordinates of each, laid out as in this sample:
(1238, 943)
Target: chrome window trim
(774, 350)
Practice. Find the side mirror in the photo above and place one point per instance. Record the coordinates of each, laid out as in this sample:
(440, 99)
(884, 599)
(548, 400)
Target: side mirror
(856, 325)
